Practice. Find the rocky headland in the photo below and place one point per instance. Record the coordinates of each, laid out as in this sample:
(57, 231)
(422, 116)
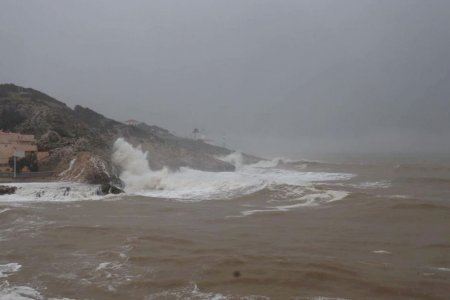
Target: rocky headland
(80, 140)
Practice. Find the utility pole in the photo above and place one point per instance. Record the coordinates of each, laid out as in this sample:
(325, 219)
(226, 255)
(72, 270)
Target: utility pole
(195, 132)
(20, 154)
(15, 172)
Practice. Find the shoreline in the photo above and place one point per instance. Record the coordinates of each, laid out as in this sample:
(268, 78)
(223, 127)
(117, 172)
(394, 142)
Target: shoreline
(27, 180)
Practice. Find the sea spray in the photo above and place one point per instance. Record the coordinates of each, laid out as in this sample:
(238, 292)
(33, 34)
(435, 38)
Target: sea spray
(194, 185)
(235, 158)
(135, 170)
(183, 184)
(131, 160)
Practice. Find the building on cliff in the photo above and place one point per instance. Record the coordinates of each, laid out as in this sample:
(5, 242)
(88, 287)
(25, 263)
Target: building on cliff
(132, 122)
(23, 145)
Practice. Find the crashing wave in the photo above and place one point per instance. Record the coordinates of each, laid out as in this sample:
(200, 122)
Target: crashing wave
(190, 184)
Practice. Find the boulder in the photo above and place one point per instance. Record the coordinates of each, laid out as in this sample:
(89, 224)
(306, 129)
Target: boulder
(108, 188)
(7, 190)
(88, 168)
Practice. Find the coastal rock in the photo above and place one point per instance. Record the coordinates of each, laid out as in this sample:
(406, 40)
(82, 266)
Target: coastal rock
(88, 168)
(7, 190)
(108, 188)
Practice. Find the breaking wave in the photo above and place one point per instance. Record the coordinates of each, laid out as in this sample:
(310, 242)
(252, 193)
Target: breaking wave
(8, 292)
(194, 185)
(8, 269)
(305, 198)
(13, 292)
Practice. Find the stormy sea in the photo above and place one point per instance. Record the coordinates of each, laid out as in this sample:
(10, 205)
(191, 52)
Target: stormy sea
(276, 229)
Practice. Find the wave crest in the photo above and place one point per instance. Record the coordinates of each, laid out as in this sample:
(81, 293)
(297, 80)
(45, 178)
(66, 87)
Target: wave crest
(190, 184)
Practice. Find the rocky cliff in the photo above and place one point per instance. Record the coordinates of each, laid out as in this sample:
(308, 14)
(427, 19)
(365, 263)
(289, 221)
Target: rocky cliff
(80, 140)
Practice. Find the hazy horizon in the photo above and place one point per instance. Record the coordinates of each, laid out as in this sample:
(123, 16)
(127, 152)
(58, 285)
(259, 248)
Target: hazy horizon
(267, 77)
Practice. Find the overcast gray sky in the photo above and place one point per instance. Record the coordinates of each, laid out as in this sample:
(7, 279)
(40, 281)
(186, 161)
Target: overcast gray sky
(274, 76)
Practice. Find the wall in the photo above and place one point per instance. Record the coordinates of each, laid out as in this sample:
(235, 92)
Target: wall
(11, 142)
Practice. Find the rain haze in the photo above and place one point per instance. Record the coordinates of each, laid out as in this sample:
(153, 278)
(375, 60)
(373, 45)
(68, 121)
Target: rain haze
(267, 77)
(306, 156)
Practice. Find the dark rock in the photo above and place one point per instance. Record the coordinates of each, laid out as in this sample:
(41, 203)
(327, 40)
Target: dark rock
(7, 190)
(67, 191)
(95, 176)
(108, 188)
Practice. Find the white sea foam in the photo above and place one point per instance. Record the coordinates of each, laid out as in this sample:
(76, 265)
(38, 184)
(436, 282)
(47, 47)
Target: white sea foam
(381, 252)
(194, 293)
(307, 200)
(4, 210)
(51, 191)
(235, 158)
(384, 184)
(368, 185)
(19, 293)
(399, 196)
(272, 163)
(325, 298)
(102, 266)
(8, 269)
(8, 292)
(189, 184)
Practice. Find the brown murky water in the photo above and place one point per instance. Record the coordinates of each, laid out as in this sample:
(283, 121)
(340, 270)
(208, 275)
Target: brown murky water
(389, 238)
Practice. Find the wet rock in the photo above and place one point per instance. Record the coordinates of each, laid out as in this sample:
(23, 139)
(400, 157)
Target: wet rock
(67, 191)
(88, 168)
(7, 190)
(108, 188)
